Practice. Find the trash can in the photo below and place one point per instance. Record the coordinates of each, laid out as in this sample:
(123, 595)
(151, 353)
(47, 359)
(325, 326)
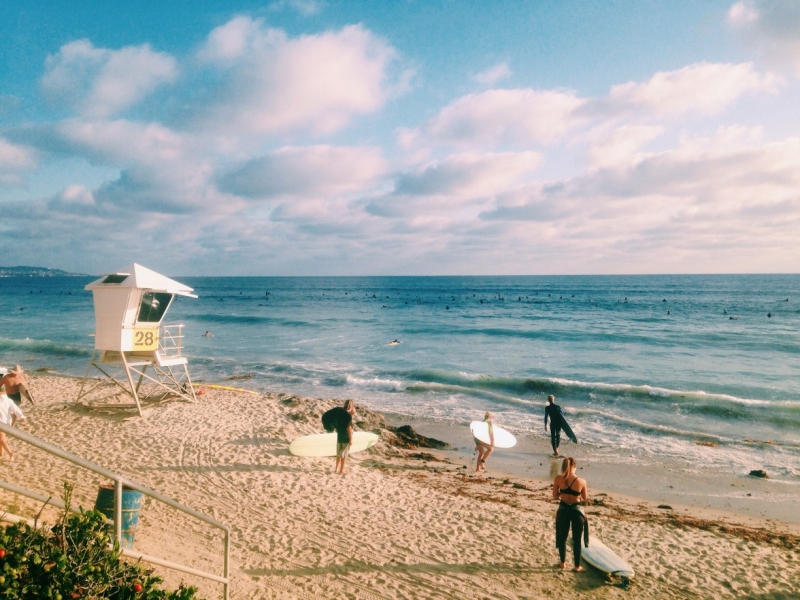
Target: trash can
(131, 503)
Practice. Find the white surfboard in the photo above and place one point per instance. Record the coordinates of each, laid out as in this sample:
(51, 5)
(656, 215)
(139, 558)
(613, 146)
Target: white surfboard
(502, 438)
(604, 558)
(324, 444)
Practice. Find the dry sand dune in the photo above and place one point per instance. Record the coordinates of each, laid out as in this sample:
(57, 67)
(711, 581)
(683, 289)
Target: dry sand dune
(400, 524)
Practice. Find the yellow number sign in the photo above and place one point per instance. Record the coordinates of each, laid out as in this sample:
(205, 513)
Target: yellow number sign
(145, 339)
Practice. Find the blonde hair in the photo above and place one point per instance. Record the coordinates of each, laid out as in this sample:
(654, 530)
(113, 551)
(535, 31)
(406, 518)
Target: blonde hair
(348, 404)
(488, 415)
(568, 464)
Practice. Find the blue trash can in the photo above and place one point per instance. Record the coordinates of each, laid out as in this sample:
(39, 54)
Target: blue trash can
(131, 503)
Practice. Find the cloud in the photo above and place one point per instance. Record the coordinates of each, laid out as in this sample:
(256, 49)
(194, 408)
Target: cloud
(493, 74)
(700, 89)
(313, 83)
(500, 117)
(14, 160)
(97, 82)
(771, 28)
(621, 145)
(470, 174)
(307, 171)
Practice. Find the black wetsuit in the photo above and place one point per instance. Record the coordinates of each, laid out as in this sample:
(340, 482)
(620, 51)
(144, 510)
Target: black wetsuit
(570, 516)
(343, 420)
(553, 412)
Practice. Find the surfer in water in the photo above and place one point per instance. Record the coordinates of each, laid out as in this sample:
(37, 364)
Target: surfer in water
(484, 449)
(553, 412)
(344, 434)
(571, 490)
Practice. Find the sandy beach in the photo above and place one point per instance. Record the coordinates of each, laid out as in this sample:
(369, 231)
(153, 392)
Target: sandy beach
(403, 523)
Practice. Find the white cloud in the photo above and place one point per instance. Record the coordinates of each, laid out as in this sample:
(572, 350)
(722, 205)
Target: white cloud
(99, 82)
(620, 146)
(701, 89)
(470, 174)
(500, 117)
(493, 74)
(315, 83)
(121, 142)
(307, 171)
(14, 160)
(771, 28)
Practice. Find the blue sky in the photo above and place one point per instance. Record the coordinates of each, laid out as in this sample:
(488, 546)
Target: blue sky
(305, 137)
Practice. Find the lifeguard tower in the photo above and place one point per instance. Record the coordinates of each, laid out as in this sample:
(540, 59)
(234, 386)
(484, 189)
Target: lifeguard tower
(129, 307)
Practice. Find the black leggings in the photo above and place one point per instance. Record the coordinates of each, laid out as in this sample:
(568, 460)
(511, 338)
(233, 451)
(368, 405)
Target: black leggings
(566, 517)
(555, 438)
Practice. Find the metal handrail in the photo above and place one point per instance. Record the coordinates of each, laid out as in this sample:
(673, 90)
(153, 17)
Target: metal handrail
(119, 481)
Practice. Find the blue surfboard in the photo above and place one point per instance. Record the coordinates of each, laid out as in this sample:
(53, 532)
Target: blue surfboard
(568, 430)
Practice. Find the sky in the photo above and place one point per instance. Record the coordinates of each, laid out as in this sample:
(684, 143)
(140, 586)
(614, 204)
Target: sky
(406, 137)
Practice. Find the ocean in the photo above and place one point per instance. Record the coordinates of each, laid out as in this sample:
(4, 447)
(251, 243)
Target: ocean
(702, 371)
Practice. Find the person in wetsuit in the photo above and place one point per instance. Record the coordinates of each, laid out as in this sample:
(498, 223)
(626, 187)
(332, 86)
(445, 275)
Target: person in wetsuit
(571, 490)
(344, 434)
(553, 412)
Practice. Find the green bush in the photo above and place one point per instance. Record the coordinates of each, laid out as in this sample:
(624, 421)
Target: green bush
(74, 559)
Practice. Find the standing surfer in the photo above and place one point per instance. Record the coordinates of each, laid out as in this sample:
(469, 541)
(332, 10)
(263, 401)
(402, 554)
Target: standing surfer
(484, 449)
(571, 490)
(344, 434)
(553, 412)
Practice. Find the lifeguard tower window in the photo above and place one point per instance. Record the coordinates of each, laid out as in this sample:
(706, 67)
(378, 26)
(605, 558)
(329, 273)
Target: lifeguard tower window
(153, 306)
(115, 278)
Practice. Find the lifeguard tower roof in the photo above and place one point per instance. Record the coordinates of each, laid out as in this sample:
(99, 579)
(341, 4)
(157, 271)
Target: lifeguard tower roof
(139, 277)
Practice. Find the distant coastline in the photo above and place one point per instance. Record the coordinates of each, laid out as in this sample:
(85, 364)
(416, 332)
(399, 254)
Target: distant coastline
(36, 272)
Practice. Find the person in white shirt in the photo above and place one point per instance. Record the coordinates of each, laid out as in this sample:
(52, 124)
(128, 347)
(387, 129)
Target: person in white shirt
(10, 413)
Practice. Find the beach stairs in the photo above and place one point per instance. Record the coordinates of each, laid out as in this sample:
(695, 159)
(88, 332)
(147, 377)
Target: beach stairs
(141, 375)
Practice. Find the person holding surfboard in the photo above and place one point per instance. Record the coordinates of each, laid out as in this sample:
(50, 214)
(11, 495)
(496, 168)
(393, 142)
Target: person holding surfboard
(16, 385)
(570, 490)
(344, 434)
(554, 413)
(484, 449)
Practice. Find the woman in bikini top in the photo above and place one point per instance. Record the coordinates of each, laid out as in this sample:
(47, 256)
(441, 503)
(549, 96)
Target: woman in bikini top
(568, 487)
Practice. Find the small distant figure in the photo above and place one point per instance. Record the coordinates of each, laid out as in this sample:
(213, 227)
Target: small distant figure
(553, 412)
(394, 342)
(484, 449)
(208, 334)
(667, 312)
(16, 385)
(724, 311)
(570, 490)
(10, 413)
(344, 434)
(769, 315)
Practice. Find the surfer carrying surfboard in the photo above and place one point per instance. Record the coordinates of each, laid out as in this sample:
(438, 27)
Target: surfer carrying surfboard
(554, 413)
(571, 490)
(344, 434)
(484, 449)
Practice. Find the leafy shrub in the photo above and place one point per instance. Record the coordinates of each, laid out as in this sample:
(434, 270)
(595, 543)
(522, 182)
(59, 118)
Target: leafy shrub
(75, 558)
